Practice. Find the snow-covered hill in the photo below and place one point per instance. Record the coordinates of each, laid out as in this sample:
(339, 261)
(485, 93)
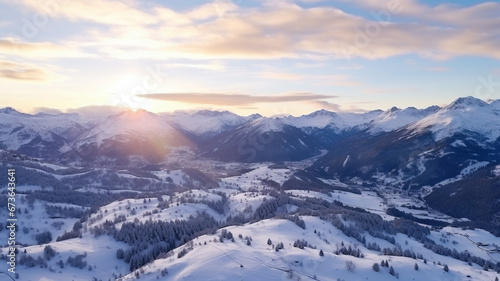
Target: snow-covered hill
(210, 259)
(247, 218)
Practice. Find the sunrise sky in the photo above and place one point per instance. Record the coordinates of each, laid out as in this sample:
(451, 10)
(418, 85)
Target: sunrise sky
(271, 57)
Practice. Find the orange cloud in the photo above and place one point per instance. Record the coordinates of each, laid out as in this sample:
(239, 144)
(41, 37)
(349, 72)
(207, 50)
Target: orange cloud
(22, 71)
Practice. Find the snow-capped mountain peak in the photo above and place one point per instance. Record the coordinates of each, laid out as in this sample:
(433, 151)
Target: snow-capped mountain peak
(396, 118)
(264, 124)
(206, 122)
(466, 103)
(140, 123)
(467, 114)
(10, 110)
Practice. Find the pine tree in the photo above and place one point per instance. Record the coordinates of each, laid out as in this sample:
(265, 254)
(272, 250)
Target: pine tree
(120, 254)
(321, 253)
(446, 268)
(415, 266)
(375, 267)
(269, 242)
(391, 271)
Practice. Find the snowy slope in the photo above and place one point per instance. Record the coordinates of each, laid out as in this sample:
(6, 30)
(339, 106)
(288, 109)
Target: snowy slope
(264, 125)
(467, 114)
(338, 122)
(209, 259)
(18, 129)
(396, 118)
(140, 124)
(206, 122)
(318, 119)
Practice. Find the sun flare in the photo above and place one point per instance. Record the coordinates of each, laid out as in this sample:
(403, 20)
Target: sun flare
(124, 92)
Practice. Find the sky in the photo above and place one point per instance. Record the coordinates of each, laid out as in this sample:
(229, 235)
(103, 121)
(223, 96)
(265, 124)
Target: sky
(269, 57)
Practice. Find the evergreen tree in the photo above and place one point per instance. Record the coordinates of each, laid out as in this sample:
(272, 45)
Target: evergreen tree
(120, 254)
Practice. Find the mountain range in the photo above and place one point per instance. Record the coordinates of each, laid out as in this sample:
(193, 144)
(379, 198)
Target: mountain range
(403, 147)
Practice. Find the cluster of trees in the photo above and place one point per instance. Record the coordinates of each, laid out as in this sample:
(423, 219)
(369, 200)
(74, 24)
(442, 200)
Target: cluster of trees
(218, 206)
(30, 261)
(301, 244)
(43, 237)
(68, 235)
(226, 235)
(465, 256)
(49, 252)
(342, 250)
(77, 261)
(34, 177)
(297, 220)
(65, 212)
(399, 252)
(385, 263)
(150, 239)
(84, 199)
(400, 214)
(269, 207)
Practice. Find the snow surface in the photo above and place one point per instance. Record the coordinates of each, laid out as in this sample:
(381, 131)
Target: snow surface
(396, 118)
(206, 122)
(17, 129)
(463, 115)
(237, 261)
(496, 171)
(139, 124)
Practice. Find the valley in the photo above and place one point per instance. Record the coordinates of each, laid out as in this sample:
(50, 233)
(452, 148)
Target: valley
(325, 196)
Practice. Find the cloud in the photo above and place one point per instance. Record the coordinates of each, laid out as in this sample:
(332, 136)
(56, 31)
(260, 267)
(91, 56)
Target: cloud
(326, 105)
(234, 99)
(203, 66)
(97, 111)
(283, 29)
(22, 71)
(336, 107)
(104, 12)
(46, 110)
(281, 75)
(33, 50)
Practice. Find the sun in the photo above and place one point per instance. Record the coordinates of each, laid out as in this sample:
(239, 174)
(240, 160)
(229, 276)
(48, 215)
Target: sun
(124, 92)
